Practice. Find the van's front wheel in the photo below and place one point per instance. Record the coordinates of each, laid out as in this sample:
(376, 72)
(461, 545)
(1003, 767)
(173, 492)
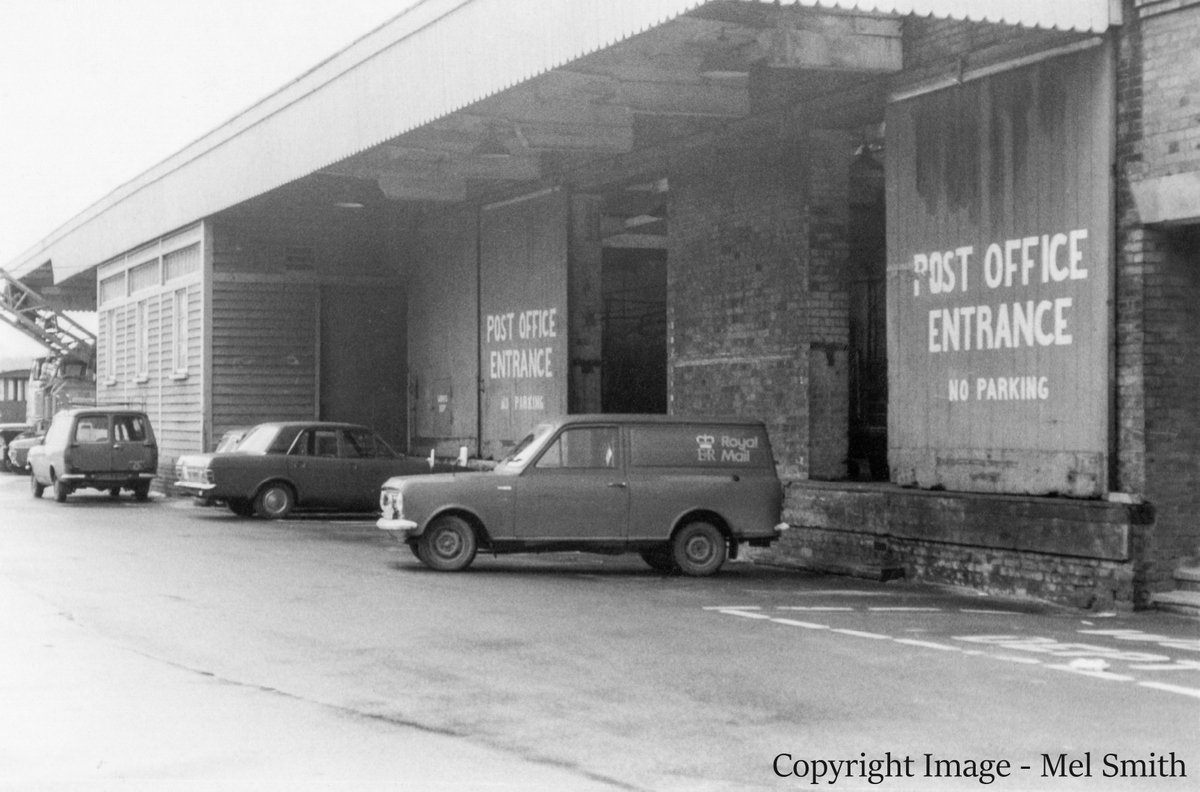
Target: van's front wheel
(698, 549)
(448, 544)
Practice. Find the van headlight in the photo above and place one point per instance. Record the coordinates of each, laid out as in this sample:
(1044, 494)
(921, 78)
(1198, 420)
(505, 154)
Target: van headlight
(391, 503)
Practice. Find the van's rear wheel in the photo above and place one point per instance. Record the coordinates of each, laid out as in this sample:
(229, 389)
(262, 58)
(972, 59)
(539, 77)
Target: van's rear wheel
(698, 549)
(448, 544)
(61, 491)
(141, 490)
(36, 487)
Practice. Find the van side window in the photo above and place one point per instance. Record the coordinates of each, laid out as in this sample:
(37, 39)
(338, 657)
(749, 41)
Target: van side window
(583, 447)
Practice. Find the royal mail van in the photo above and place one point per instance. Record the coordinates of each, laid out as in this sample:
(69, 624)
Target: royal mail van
(684, 493)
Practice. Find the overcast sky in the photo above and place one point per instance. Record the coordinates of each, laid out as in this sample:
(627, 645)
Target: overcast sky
(94, 92)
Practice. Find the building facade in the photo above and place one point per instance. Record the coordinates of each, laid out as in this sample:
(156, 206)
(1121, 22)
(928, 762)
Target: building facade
(947, 255)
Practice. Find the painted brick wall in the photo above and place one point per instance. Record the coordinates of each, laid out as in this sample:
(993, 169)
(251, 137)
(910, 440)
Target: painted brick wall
(755, 293)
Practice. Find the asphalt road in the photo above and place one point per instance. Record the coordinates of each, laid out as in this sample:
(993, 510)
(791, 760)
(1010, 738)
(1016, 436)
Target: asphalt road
(573, 672)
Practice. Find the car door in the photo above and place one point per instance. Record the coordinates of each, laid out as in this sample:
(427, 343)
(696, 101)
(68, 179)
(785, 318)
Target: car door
(576, 489)
(316, 468)
(131, 443)
(369, 463)
(91, 450)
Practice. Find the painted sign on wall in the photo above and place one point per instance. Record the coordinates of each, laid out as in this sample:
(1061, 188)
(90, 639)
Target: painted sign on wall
(523, 322)
(999, 250)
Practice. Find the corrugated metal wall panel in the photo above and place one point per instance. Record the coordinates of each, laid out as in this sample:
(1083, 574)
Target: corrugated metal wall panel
(263, 352)
(430, 61)
(1012, 166)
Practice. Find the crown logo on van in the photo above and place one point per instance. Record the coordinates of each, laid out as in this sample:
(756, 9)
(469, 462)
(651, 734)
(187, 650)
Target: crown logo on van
(706, 441)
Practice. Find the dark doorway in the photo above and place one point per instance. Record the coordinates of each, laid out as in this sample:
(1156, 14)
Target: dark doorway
(868, 317)
(634, 348)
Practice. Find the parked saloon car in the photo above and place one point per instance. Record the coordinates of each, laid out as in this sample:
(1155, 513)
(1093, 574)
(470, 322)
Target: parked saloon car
(104, 448)
(680, 492)
(18, 450)
(8, 433)
(280, 466)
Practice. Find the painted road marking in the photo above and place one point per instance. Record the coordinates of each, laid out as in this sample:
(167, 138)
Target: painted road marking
(989, 612)
(906, 609)
(813, 608)
(927, 644)
(732, 607)
(1095, 673)
(1171, 688)
(1089, 660)
(1178, 665)
(861, 634)
(1188, 644)
(1015, 659)
(808, 625)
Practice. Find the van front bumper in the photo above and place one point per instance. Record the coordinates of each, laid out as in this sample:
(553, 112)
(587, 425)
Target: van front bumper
(402, 529)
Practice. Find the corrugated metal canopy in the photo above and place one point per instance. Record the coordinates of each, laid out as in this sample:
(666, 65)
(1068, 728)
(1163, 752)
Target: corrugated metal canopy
(425, 64)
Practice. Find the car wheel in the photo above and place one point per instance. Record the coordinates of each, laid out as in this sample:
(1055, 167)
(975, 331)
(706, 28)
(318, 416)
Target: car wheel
(274, 501)
(698, 549)
(61, 491)
(141, 491)
(415, 550)
(659, 559)
(114, 492)
(448, 544)
(36, 487)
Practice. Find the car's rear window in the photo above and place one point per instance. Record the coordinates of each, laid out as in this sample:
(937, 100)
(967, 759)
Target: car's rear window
(699, 446)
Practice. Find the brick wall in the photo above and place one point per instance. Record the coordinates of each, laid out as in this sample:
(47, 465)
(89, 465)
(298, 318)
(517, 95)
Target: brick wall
(755, 294)
(1158, 283)
(1169, 33)
(1076, 552)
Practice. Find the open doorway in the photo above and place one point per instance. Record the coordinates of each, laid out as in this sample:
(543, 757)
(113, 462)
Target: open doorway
(868, 443)
(634, 347)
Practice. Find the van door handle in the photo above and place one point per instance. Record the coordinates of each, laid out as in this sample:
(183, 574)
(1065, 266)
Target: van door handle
(620, 484)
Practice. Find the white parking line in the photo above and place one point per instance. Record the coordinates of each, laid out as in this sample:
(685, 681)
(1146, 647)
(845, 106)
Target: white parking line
(732, 607)
(906, 609)
(808, 625)
(989, 612)
(1089, 672)
(861, 634)
(813, 608)
(927, 644)
(1082, 665)
(1172, 688)
(1016, 659)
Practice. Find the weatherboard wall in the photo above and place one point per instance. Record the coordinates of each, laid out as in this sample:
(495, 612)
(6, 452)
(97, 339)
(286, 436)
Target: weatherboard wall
(150, 342)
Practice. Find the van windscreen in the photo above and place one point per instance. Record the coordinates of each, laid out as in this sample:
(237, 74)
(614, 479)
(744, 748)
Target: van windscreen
(699, 446)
